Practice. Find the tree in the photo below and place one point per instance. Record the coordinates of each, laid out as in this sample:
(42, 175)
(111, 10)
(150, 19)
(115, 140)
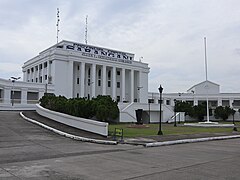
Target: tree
(223, 112)
(181, 106)
(106, 108)
(199, 112)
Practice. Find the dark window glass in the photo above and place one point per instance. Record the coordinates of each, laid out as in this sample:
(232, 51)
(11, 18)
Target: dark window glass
(118, 84)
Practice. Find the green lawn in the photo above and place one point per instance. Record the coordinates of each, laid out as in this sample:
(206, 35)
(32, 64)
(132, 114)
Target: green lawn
(167, 129)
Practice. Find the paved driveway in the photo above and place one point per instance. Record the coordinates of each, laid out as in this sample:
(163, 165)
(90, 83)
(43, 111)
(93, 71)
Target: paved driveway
(31, 152)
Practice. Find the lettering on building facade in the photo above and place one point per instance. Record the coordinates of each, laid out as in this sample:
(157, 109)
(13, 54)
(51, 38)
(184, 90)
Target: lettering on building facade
(100, 53)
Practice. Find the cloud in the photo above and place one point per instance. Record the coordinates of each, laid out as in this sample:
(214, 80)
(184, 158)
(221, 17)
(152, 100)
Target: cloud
(167, 34)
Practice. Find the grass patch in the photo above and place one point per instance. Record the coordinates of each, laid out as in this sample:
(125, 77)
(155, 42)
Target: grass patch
(167, 129)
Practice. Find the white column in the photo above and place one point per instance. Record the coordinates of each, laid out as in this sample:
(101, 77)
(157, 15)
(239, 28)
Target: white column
(140, 86)
(195, 101)
(48, 71)
(7, 95)
(70, 79)
(219, 102)
(93, 78)
(132, 85)
(31, 75)
(39, 73)
(123, 84)
(82, 78)
(24, 76)
(24, 96)
(114, 84)
(231, 103)
(41, 93)
(104, 79)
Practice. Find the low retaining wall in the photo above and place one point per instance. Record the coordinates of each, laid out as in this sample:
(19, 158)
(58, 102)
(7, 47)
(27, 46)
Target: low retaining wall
(80, 123)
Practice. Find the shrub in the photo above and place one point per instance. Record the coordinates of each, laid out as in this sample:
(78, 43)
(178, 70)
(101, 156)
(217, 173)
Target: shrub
(223, 112)
(102, 107)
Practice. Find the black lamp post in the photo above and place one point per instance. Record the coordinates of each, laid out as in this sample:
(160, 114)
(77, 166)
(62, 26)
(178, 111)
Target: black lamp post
(14, 79)
(149, 111)
(233, 112)
(160, 113)
(175, 118)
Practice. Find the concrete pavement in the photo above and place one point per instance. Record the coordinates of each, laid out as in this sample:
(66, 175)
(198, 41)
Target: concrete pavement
(28, 151)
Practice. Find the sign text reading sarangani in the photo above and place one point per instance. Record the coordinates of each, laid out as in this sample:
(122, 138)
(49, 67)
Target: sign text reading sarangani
(101, 53)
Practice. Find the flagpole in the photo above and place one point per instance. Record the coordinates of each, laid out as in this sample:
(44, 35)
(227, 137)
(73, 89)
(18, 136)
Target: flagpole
(205, 48)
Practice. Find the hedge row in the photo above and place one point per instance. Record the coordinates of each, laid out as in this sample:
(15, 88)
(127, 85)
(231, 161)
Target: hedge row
(103, 107)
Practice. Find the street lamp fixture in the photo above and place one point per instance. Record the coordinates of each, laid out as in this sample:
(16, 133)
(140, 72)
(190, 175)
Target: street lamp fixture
(160, 113)
(13, 79)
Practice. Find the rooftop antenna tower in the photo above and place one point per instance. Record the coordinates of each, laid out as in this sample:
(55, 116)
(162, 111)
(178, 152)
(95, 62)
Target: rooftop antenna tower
(86, 30)
(58, 19)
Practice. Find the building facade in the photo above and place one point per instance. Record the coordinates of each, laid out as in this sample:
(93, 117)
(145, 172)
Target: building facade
(196, 95)
(76, 70)
(79, 70)
(19, 95)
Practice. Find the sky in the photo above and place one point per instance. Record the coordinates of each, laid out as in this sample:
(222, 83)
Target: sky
(167, 34)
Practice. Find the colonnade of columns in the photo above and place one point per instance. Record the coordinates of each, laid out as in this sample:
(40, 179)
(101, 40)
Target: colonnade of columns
(39, 74)
(127, 81)
(195, 100)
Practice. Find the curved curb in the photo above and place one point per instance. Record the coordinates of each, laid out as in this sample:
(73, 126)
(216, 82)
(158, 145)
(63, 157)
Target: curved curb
(67, 134)
(166, 143)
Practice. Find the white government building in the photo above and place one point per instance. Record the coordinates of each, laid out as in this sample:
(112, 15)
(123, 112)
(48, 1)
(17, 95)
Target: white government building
(78, 70)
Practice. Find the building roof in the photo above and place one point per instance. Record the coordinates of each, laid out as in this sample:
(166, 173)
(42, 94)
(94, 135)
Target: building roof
(203, 83)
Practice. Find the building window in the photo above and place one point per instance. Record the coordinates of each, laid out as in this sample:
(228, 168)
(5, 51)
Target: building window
(40, 66)
(40, 80)
(78, 67)
(236, 103)
(77, 95)
(89, 73)
(99, 82)
(225, 103)
(89, 82)
(150, 100)
(109, 74)
(32, 80)
(32, 69)
(45, 77)
(109, 83)
(45, 64)
(28, 71)
(99, 74)
(118, 84)
(50, 62)
(77, 80)
(36, 79)
(118, 73)
(190, 102)
(167, 102)
(36, 68)
(118, 98)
